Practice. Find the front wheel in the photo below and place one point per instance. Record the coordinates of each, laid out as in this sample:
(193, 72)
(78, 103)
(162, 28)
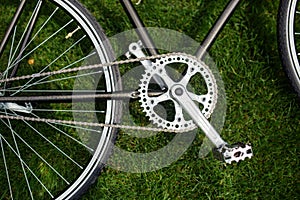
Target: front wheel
(53, 159)
(289, 40)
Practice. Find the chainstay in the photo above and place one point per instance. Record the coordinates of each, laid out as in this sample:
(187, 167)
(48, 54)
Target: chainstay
(89, 67)
(119, 126)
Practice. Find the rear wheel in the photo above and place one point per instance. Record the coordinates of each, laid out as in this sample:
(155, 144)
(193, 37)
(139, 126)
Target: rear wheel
(289, 40)
(42, 160)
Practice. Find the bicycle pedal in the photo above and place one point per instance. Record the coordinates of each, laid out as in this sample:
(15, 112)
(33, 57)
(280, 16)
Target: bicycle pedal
(234, 153)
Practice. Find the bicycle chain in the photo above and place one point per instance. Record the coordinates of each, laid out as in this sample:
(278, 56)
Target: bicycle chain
(89, 67)
(56, 121)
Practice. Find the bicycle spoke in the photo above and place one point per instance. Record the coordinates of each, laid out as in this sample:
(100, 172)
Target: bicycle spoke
(64, 133)
(66, 78)
(42, 43)
(19, 156)
(44, 24)
(27, 26)
(51, 143)
(6, 169)
(11, 49)
(48, 139)
(5, 75)
(22, 88)
(79, 127)
(36, 153)
(55, 80)
(26, 85)
(28, 168)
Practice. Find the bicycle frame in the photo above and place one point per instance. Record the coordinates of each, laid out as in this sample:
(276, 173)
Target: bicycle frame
(206, 43)
(12, 25)
(149, 45)
(177, 91)
(140, 29)
(26, 38)
(112, 110)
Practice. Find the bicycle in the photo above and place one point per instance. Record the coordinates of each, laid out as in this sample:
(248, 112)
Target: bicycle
(37, 83)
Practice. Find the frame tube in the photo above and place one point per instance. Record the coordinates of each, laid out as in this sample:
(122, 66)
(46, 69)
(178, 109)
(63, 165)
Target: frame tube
(140, 27)
(26, 39)
(216, 29)
(12, 25)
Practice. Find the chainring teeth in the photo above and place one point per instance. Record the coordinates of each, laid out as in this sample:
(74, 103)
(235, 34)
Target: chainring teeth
(194, 66)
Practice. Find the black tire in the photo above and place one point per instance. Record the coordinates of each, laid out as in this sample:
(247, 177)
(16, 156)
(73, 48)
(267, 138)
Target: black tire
(288, 41)
(31, 150)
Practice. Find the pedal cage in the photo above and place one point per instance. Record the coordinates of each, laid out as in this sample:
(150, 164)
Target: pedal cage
(234, 153)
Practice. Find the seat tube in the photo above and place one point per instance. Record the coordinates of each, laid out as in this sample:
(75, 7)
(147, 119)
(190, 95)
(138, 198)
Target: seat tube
(139, 26)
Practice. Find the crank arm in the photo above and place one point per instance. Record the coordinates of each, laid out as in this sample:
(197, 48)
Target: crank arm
(136, 49)
(178, 92)
(227, 153)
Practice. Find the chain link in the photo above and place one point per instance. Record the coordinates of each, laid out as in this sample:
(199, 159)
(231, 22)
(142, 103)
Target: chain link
(89, 67)
(119, 126)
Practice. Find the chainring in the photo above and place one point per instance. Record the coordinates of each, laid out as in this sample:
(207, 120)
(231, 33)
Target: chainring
(155, 107)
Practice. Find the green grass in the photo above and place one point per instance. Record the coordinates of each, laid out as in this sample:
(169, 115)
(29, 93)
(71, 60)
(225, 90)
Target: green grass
(262, 108)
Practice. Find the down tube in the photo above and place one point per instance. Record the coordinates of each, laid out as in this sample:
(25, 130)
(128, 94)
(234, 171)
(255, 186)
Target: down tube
(216, 29)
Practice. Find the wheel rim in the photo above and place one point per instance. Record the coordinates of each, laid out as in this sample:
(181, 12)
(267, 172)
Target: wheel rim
(292, 18)
(42, 150)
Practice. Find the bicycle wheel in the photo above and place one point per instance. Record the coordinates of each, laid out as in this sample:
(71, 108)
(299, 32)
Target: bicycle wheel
(43, 159)
(289, 40)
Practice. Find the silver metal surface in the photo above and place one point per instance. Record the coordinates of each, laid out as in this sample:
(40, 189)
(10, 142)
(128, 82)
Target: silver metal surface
(15, 107)
(136, 49)
(235, 153)
(216, 29)
(180, 94)
(153, 106)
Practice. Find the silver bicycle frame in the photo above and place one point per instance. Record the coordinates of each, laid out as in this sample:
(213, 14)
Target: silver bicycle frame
(206, 43)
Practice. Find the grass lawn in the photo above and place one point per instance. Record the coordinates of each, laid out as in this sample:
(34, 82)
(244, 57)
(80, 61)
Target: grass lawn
(261, 107)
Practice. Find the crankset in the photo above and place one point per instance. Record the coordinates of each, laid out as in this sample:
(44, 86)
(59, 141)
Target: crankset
(178, 92)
